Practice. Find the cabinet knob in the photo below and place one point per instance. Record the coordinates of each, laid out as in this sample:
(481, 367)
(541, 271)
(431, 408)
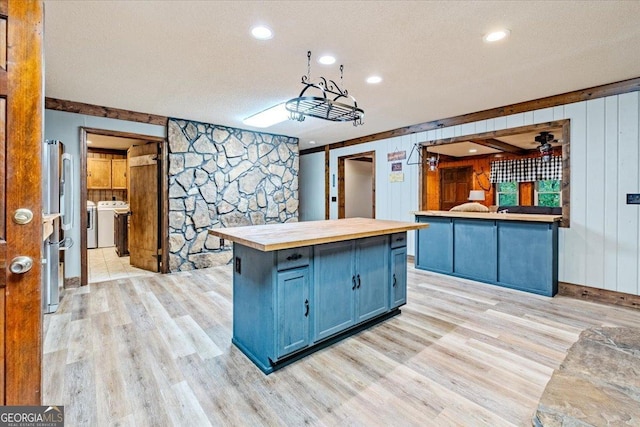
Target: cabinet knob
(306, 308)
(359, 282)
(294, 257)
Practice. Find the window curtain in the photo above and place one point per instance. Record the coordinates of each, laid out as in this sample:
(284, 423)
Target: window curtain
(526, 170)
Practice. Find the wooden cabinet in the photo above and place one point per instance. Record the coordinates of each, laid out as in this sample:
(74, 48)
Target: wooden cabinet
(98, 173)
(292, 304)
(333, 284)
(372, 277)
(516, 253)
(106, 174)
(398, 284)
(119, 174)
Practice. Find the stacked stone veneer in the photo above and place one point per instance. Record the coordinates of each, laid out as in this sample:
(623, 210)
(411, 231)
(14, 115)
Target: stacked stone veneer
(225, 177)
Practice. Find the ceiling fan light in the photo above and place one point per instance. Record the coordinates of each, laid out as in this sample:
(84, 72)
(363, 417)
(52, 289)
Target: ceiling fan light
(261, 32)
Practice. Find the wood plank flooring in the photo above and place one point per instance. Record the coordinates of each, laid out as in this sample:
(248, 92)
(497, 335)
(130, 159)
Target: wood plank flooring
(156, 351)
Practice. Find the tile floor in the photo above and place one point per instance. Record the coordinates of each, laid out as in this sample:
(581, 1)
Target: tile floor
(104, 264)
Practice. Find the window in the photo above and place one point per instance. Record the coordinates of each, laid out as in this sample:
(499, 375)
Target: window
(548, 193)
(507, 193)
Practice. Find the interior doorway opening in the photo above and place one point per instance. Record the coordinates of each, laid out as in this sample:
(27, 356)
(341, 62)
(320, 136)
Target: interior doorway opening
(357, 185)
(109, 190)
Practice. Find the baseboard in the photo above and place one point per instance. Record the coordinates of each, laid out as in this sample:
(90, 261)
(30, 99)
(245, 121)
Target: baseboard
(71, 282)
(599, 295)
(411, 259)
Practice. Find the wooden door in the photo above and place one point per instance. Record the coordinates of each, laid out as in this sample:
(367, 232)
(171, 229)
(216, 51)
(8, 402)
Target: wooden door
(98, 173)
(144, 206)
(21, 108)
(119, 174)
(455, 184)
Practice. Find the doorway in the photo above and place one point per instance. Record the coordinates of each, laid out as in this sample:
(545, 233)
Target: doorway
(357, 185)
(107, 191)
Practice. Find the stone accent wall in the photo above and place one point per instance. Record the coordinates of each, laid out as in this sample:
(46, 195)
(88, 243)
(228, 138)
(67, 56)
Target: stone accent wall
(225, 177)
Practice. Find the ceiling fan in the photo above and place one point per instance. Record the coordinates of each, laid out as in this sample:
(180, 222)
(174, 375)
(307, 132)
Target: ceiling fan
(545, 139)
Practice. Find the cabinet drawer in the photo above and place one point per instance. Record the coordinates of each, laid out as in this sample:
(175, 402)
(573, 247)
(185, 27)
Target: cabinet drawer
(292, 258)
(398, 240)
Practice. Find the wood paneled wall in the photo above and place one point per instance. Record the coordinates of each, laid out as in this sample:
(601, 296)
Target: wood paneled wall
(481, 173)
(601, 248)
(98, 195)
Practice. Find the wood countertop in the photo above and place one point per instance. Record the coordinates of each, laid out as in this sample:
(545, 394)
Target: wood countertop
(492, 216)
(273, 237)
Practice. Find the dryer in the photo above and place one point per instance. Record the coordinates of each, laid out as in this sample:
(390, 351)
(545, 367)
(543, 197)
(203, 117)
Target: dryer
(106, 221)
(92, 227)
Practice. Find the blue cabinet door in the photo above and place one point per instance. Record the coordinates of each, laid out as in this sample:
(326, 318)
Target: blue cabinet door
(398, 277)
(434, 245)
(372, 277)
(333, 288)
(475, 249)
(293, 310)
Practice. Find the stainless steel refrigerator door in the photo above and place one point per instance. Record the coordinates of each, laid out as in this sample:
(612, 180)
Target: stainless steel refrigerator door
(52, 159)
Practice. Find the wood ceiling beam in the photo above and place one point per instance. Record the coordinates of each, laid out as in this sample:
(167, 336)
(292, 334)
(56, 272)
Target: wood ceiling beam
(498, 145)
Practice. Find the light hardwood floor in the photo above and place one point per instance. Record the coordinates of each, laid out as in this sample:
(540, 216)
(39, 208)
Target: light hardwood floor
(157, 351)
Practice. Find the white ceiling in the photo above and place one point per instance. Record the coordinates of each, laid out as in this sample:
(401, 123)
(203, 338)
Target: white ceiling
(197, 59)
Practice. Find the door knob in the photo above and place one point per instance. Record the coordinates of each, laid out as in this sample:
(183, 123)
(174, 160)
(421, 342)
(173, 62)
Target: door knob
(21, 264)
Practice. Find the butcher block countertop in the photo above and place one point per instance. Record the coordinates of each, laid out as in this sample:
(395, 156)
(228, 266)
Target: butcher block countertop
(273, 237)
(492, 216)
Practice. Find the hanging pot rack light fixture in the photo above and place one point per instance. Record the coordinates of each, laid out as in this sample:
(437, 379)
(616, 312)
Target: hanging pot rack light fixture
(330, 105)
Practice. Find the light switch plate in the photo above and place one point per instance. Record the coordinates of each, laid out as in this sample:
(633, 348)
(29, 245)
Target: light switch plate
(633, 198)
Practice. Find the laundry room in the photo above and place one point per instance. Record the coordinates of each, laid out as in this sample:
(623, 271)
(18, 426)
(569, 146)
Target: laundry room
(108, 213)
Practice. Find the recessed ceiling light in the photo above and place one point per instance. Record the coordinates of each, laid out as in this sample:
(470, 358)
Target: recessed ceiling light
(327, 60)
(374, 80)
(269, 117)
(496, 35)
(261, 32)
(473, 150)
(89, 142)
(312, 142)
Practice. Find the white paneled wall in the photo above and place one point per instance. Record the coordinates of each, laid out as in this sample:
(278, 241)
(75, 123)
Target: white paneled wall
(601, 248)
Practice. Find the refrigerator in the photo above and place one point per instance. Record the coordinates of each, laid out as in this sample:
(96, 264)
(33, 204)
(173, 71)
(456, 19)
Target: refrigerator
(57, 198)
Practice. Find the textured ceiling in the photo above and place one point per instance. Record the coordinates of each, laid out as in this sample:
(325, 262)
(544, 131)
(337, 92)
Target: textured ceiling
(197, 59)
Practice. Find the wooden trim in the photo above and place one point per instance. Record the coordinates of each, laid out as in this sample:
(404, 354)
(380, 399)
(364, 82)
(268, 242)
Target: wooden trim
(499, 133)
(617, 88)
(106, 151)
(313, 150)
(164, 236)
(163, 164)
(341, 181)
(119, 134)
(603, 296)
(566, 175)
(84, 273)
(498, 145)
(327, 183)
(98, 111)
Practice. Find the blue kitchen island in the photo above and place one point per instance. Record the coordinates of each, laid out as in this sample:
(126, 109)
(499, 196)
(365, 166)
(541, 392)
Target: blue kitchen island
(298, 287)
(518, 251)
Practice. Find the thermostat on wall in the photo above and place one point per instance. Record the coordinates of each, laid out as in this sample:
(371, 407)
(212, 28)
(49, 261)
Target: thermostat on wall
(633, 199)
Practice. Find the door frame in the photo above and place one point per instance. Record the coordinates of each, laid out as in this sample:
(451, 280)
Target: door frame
(164, 195)
(341, 182)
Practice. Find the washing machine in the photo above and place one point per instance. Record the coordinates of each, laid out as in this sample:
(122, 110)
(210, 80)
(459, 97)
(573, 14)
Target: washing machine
(106, 220)
(92, 227)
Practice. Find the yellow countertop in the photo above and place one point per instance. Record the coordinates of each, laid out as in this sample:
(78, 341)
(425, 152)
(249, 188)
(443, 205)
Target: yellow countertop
(492, 216)
(273, 237)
